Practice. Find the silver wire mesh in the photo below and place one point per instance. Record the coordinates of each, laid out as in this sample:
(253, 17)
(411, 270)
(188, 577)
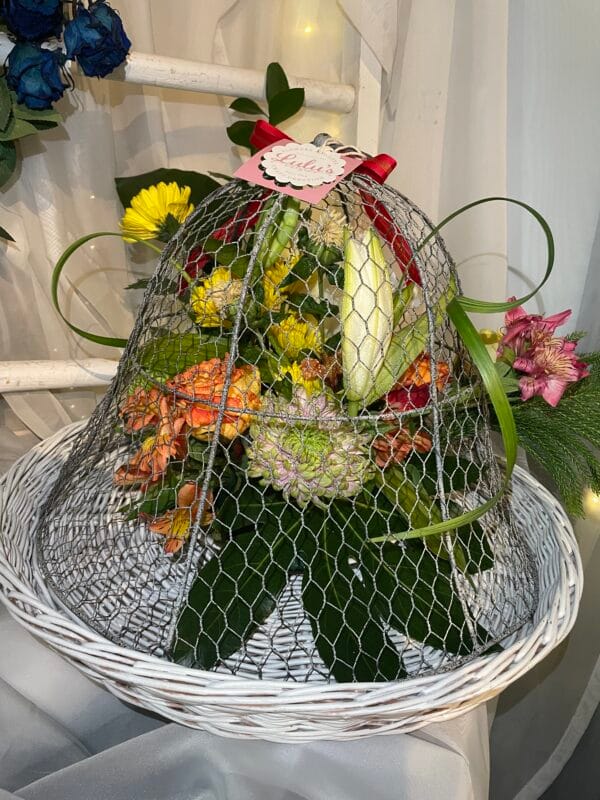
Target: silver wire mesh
(220, 506)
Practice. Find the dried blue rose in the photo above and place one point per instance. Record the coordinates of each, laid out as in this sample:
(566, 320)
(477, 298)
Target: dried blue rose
(33, 20)
(34, 74)
(96, 38)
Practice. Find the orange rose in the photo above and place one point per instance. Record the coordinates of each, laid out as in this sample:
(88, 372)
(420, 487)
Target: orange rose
(205, 382)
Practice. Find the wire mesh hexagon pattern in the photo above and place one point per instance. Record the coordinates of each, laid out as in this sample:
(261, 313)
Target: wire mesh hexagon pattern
(292, 404)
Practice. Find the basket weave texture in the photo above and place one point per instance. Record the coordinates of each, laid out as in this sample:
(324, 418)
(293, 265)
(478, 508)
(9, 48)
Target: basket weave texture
(242, 707)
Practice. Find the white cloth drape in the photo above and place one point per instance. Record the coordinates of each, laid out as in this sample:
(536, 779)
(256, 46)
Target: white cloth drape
(554, 164)
(444, 118)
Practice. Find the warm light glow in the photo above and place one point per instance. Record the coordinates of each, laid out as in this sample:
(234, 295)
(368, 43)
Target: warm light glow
(591, 504)
(308, 29)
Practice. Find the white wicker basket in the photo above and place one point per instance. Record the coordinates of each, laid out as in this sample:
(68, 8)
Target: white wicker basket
(276, 710)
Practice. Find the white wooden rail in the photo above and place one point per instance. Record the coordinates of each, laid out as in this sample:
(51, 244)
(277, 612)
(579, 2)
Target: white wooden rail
(178, 73)
(195, 76)
(26, 376)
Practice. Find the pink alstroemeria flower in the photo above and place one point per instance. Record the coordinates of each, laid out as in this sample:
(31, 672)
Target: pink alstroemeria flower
(549, 366)
(522, 328)
(549, 362)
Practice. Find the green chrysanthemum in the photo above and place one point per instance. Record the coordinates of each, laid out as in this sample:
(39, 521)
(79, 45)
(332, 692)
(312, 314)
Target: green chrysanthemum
(310, 460)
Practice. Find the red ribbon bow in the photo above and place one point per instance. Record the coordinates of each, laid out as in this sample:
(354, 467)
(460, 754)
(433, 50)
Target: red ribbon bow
(378, 168)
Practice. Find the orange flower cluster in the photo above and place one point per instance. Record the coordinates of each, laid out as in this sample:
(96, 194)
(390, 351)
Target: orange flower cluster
(203, 384)
(191, 410)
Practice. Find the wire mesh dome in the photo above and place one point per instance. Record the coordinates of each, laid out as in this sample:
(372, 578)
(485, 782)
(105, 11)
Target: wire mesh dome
(292, 406)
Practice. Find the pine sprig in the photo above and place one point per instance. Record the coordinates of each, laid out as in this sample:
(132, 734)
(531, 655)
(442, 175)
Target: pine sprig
(564, 440)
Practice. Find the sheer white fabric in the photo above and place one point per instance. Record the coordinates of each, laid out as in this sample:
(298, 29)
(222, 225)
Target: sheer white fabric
(444, 119)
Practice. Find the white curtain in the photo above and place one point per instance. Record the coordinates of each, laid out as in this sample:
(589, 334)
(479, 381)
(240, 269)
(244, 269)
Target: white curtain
(554, 164)
(480, 99)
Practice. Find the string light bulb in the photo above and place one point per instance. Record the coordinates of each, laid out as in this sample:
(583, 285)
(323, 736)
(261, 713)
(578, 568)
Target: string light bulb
(308, 28)
(591, 504)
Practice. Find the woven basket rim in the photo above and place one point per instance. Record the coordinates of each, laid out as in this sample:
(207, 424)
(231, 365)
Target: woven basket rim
(157, 684)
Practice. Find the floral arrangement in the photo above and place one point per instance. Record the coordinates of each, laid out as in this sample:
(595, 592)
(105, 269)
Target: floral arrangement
(48, 33)
(298, 403)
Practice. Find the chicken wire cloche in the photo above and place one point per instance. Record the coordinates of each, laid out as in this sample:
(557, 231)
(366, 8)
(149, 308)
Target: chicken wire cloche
(268, 487)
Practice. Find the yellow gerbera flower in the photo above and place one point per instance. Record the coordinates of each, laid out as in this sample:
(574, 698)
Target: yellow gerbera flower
(214, 300)
(296, 373)
(156, 212)
(295, 334)
(272, 280)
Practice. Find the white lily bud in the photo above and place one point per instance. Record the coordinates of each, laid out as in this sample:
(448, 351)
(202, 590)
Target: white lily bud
(367, 314)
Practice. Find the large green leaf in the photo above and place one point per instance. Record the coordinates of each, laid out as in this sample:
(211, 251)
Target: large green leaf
(238, 588)
(276, 81)
(201, 185)
(5, 104)
(285, 104)
(414, 594)
(8, 161)
(167, 355)
(350, 640)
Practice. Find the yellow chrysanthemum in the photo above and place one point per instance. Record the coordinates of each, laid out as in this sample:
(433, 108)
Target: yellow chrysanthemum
(214, 300)
(156, 212)
(295, 334)
(272, 280)
(298, 378)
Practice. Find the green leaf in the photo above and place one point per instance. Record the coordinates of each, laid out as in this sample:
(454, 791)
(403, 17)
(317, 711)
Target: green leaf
(46, 116)
(201, 185)
(491, 380)
(167, 355)
(8, 161)
(367, 515)
(4, 234)
(414, 594)
(238, 588)
(18, 128)
(109, 341)
(351, 642)
(246, 106)
(276, 81)
(301, 271)
(240, 133)
(285, 104)
(6, 104)
(142, 283)
(307, 304)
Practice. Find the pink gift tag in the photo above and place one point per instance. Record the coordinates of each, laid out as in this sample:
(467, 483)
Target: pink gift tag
(300, 170)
